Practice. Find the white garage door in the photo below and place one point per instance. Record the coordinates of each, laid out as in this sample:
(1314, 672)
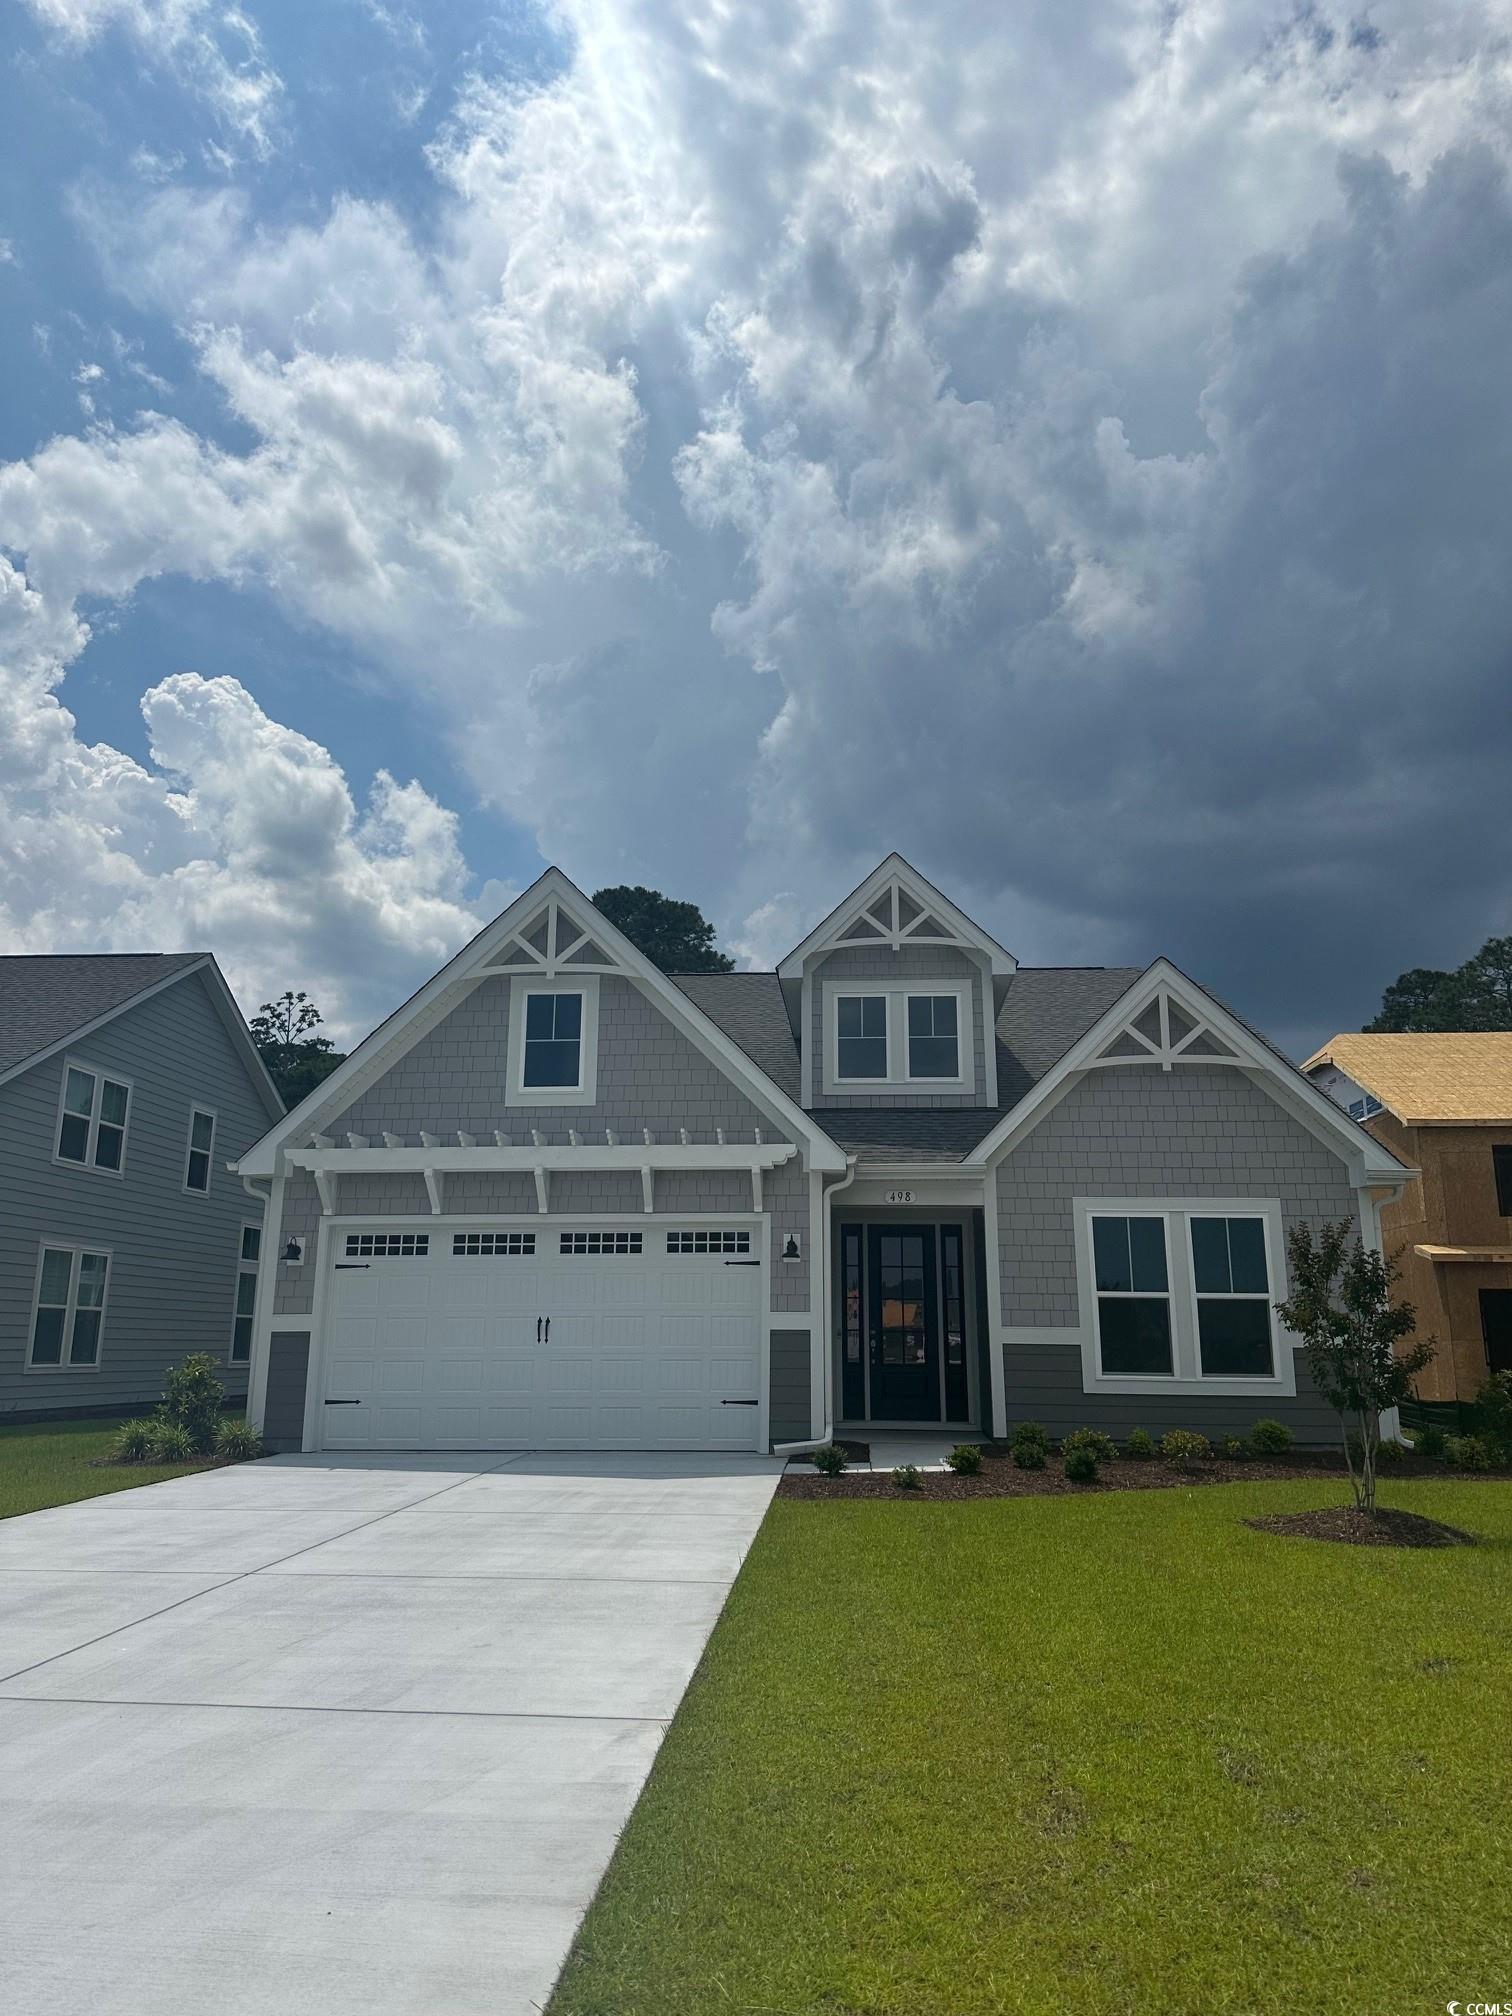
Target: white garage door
(510, 1337)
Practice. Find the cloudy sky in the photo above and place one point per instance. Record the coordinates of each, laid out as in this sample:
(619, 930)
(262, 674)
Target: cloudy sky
(713, 445)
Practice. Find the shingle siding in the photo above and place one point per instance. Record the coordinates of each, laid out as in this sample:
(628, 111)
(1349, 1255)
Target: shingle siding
(649, 1075)
(922, 963)
(173, 1268)
(1136, 1132)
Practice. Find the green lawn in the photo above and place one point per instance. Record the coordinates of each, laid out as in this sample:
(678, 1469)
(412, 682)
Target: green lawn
(1112, 1754)
(47, 1463)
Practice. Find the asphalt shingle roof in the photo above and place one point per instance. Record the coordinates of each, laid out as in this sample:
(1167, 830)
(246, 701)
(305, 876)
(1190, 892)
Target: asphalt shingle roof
(1045, 1010)
(45, 997)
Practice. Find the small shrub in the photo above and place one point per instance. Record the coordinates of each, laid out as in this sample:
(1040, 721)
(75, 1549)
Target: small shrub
(906, 1477)
(965, 1459)
(237, 1442)
(830, 1460)
(1432, 1444)
(1081, 1463)
(1271, 1438)
(1140, 1447)
(1180, 1448)
(1470, 1452)
(1493, 1414)
(193, 1398)
(1029, 1445)
(1392, 1453)
(172, 1443)
(133, 1442)
(1235, 1448)
(1103, 1447)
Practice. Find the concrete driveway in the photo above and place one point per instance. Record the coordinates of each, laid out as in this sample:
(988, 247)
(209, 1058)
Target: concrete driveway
(342, 1734)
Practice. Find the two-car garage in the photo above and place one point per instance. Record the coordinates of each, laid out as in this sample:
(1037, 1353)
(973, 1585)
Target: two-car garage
(466, 1334)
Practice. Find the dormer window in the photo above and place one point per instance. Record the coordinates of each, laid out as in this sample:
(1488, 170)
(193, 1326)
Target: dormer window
(861, 1038)
(896, 1036)
(934, 1042)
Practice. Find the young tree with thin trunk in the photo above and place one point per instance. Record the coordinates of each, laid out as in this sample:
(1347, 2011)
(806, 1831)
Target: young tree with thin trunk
(1341, 1308)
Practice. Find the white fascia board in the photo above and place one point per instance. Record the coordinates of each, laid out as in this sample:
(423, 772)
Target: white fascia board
(1283, 1080)
(389, 1041)
(924, 892)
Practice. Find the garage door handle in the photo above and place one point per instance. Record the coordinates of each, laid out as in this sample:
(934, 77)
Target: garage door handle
(737, 1403)
(350, 1266)
(538, 1329)
(548, 1329)
(343, 1403)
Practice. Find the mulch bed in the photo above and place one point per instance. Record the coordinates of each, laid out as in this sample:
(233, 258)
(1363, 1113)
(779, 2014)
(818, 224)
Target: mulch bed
(1000, 1477)
(1388, 1528)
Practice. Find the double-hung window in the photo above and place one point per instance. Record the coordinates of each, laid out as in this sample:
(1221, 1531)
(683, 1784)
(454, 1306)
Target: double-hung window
(934, 1042)
(1182, 1292)
(896, 1035)
(69, 1311)
(1232, 1284)
(247, 1256)
(92, 1119)
(553, 1043)
(1133, 1280)
(197, 1163)
(861, 1037)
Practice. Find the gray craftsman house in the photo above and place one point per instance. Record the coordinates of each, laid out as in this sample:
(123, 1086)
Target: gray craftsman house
(560, 1200)
(127, 1083)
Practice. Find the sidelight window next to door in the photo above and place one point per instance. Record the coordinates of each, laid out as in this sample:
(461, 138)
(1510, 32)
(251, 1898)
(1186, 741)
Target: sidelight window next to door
(902, 1323)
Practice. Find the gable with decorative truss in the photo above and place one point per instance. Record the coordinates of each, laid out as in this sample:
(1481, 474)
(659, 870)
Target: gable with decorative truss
(550, 942)
(896, 907)
(1165, 1032)
(547, 935)
(1165, 1019)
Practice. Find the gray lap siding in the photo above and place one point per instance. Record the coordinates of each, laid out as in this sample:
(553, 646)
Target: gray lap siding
(1148, 1134)
(172, 1278)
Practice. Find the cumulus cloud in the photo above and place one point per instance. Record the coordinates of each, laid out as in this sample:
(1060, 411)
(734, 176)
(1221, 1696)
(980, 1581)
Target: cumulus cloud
(1070, 450)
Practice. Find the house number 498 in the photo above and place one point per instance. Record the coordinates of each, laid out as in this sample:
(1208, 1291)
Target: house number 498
(900, 1196)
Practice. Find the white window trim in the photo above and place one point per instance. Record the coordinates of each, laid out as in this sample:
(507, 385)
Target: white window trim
(99, 1073)
(75, 1252)
(585, 1092)
(214, 1119)
(896, 993)
(254, 1268)
(1181, 1280)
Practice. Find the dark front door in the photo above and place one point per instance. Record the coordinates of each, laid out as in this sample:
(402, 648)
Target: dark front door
(904, 1341)
(1496, 1327)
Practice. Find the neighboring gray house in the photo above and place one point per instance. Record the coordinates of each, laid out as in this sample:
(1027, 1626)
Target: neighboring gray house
(559, 1200)
(128, 1082)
